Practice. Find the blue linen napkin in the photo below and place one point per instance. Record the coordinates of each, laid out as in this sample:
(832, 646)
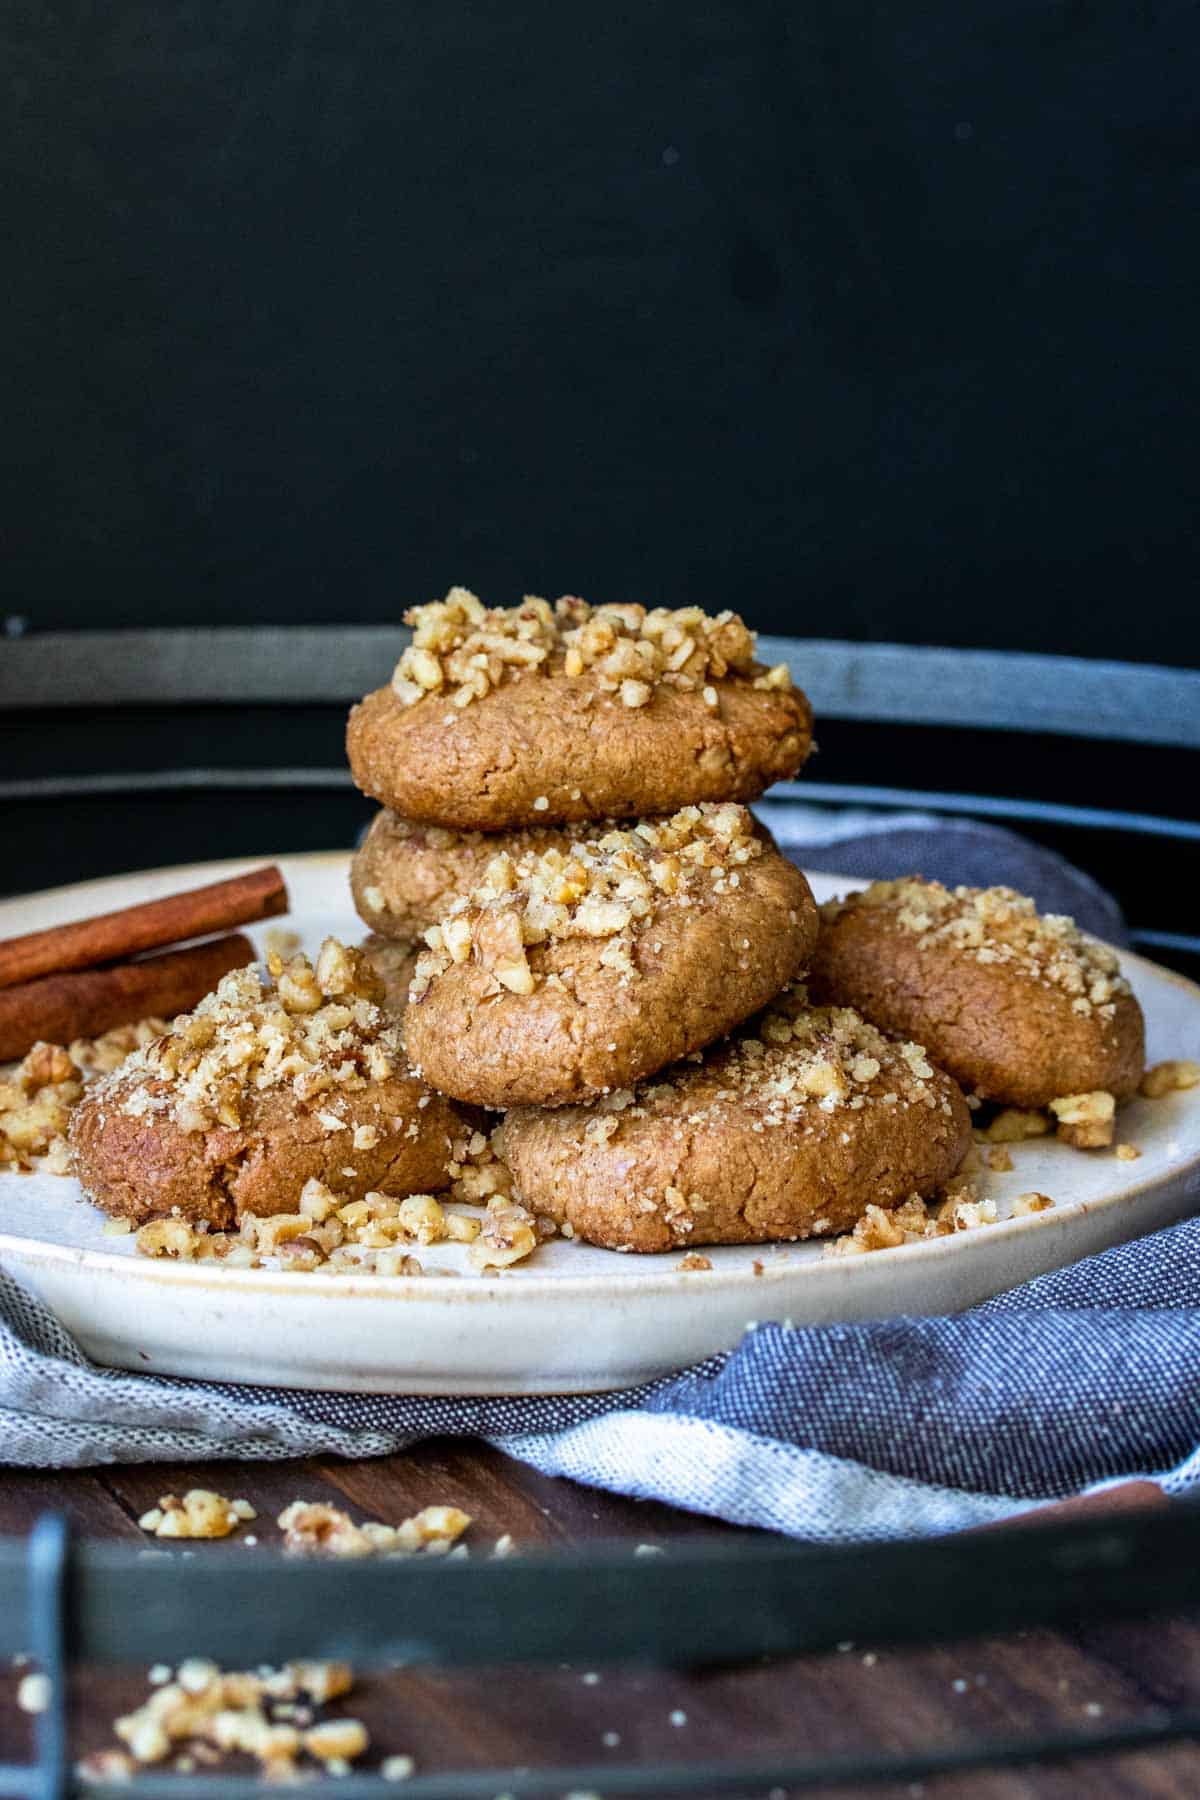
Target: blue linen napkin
(830, 1433)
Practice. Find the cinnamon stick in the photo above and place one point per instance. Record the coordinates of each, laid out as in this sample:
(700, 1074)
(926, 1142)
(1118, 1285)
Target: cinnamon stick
(113, 936)
(61, 1007)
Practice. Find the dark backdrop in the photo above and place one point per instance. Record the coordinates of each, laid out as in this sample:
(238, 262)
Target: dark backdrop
(873, 320)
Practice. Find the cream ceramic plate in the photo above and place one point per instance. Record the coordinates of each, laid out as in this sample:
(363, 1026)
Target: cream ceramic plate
(575, 1318)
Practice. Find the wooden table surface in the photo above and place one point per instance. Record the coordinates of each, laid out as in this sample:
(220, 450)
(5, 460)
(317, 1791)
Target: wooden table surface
(850, 1699)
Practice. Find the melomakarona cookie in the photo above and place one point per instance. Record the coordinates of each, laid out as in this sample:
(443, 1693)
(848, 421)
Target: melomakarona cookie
(1020, 1006)
(565, 975)
(789, 1129)
(529, 715)
(259, 1090)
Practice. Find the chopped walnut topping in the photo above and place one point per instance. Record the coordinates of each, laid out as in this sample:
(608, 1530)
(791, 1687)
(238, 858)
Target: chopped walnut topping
(1085, 1120)
(999, 926)
(694, 1263)
(316, 1528)
(36, 1102)
(317, 1029)
(1170, 1078)
(829, 1055)
(199, 1514)
(608, 887)
(462, 650)
(214, 1712)
(101, 1055)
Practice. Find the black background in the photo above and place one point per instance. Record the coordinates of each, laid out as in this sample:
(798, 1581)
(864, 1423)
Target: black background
(874, 321)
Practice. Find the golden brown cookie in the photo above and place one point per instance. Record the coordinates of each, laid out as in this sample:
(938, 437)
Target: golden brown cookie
(1020, 1007)
(538, 715)
(405, 875)
(563, 976)
(258, 1091)
(790, 1129)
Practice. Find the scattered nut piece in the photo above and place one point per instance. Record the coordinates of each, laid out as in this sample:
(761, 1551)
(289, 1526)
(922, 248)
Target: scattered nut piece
(1085, 1120)
(201, 1513)
(507, 1236)
(960, 1209)
(693, 1261)
(316, 1528)
(1173, 1077)
(1024, 1204)
(1127, 1152)
(1013, 1125)
(214, 1712)
(999, 1160)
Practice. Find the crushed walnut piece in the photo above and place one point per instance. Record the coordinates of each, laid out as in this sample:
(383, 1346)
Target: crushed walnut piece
(36, 1102)
(314, 1027)
(1014, 1125)
(693, 1263)
(266, 1714)
(40, 1093)
(371, 1236)
(509, 1235)
(314, 1528)
(461, 650)
(477, 1174)
(1026, 1204)
(607, 888)
(1085, 1120)
(1127, 1152)
(997, 926)
(960, 1209)
(1173, 1077)
(200, 1513)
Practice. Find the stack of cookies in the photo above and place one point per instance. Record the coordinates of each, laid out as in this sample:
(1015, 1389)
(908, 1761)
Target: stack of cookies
(586, 931)
(599, 941)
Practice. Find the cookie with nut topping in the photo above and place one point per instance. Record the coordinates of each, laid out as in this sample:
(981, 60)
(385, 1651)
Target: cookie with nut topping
(405, 875)
(790, 1129)
(564, 975)
(265, 1086)
(1021, 1007)
(505, 717)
